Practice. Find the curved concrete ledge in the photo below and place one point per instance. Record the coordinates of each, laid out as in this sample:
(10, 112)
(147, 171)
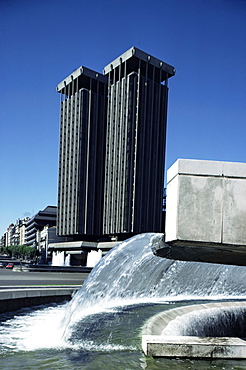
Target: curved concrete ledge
(13, 299)
(155, 344)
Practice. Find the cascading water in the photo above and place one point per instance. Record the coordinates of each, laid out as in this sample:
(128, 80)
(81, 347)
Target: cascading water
(67, 260)
(214, 322)
(131, 274)
(59, 259)
(126, 287)
(93, 258)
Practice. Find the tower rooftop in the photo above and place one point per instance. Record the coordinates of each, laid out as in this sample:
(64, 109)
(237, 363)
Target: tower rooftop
(82, 73)
(133, 55)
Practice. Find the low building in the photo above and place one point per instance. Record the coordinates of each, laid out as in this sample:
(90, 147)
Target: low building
(22, 231)
(10, 235)
(15, 234)
(38, 222)
(45, 237)
(78, 251)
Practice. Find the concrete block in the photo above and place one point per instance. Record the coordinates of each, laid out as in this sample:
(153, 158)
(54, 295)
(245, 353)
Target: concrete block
(234, 211)
(180, 346)
(234, 169)
(206, 202)
(194, 167)
(194, 209)
(157, 342)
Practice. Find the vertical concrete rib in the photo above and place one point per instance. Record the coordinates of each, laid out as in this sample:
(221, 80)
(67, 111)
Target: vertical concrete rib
(73, 164)
(157, 216)
(135, 146)
(114, 169)
(107, 167)
(71, 161)
(75, 145)
(122, 156)
(64, 167)
(143, 151)
(61, 166)
(87, 162)
(117, 153)
(65, 209)
(68, 161)
(124, 144)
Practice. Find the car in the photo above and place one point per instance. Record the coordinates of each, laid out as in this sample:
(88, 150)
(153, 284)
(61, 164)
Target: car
(9, 266)
(1, 265)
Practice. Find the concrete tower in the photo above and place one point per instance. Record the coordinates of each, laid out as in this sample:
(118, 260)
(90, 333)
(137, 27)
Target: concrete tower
(82, 148)
(112, 148)
(135, 143)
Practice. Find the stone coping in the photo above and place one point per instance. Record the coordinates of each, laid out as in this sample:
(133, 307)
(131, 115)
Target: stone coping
(157, 345)
(219, 347)
(16, 298)
(15, 293)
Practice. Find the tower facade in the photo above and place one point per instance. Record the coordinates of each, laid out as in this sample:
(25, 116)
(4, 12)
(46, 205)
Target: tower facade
(135, 143)
(81, 158)
(112, 147)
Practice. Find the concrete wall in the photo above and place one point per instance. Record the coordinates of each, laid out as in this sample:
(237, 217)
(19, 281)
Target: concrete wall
(13, 299)
(206, 202)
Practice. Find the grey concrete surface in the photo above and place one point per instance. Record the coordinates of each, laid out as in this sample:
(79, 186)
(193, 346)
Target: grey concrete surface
(194, 347)
(205, 212)
(206, 201)
(13, 299)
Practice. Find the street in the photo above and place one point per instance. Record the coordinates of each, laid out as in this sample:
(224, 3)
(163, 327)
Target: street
(10, 278)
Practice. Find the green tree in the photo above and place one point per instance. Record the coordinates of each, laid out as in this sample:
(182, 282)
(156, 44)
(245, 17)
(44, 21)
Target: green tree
(19, 251)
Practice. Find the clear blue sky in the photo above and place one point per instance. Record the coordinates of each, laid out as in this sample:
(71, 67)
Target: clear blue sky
(43, 41)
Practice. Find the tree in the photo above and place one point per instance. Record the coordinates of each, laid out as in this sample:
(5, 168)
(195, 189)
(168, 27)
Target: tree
(19, 251)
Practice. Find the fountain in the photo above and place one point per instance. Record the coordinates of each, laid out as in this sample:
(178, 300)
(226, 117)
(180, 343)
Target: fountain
(93, 258)
(59, 259)
(101, 326)
(67, 260)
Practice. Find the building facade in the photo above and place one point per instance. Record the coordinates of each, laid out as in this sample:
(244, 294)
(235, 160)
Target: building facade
(15, 234)
(135, 143)
(38, 222)
(82, 147)
(112, 148)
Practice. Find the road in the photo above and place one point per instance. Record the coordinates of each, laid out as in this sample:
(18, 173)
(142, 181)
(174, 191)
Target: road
(10, 278)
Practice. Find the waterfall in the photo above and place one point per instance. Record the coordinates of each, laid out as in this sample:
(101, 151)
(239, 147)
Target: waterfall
(59, 259)
(213, 322)
(67, 260)
(93, 258)
(131, 274)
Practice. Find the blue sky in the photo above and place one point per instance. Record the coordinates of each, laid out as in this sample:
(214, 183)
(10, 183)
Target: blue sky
(43, 41)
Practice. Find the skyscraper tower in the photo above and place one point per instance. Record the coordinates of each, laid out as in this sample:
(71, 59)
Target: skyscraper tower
(82, 148)
(112, 148)
(135, 143)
